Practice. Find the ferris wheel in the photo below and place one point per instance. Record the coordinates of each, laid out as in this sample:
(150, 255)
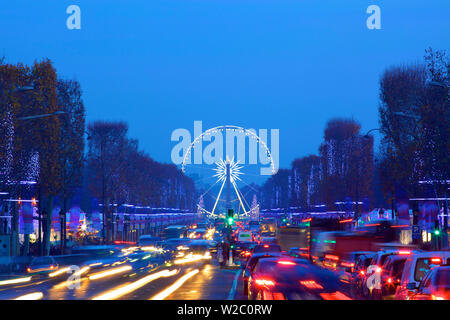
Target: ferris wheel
(226, 172)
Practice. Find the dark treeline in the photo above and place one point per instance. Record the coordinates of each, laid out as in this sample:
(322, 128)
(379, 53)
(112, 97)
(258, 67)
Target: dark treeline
(414, 117)
(343, 170)
(43, 152)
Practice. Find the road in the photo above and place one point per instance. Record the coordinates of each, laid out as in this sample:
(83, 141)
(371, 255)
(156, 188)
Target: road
(203, 280)
(186, 282)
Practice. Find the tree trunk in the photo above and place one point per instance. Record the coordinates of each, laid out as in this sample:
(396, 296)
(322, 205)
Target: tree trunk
(47, 224)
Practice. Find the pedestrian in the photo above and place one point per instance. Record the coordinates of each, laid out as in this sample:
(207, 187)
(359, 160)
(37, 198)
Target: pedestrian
(220, 255)
(226, 252)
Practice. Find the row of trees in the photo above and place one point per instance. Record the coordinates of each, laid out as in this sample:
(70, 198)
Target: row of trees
(42, 151)
(41, 142)
(343, 170)
(119, 173)
(415, 123)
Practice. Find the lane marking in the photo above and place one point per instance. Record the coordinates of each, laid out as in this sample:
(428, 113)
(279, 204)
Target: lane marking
(175, 286)
(131, 287)
(233, 288)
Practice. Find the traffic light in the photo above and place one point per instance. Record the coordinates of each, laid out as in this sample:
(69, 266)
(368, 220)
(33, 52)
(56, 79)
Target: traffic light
(437, 232)
(230, 217)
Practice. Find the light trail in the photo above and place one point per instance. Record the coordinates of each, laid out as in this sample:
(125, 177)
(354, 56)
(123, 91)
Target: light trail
(31, 296)
(192, 258)
(121, 291)
(58, 272)
(175, 286)
(14, 281)
(109, 272)
(81, 271)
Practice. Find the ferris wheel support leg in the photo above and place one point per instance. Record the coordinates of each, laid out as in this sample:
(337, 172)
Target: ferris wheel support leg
(218, 197)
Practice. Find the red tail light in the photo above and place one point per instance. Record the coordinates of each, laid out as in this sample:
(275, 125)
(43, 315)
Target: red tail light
(286, 263)
(404, 252)
(266, 246)
(265, 282)
(335, 296)
(267, 295)
(278, 296)
(331, 257)
(389, 280)
(436, 260)
(362, 272)
(348, 264)
(311, 284)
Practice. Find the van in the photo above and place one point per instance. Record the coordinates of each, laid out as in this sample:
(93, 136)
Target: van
(416, 267)
(245, 236)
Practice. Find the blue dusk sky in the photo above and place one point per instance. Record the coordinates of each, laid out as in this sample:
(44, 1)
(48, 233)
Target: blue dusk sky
(285, 64)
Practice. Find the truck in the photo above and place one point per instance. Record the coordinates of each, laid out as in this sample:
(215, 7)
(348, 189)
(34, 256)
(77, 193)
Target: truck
(331, 247)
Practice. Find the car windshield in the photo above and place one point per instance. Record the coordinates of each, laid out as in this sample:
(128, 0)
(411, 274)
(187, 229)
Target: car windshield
(442, 278)
(384, 257)
(397, 267)
(422, 267)
(292, 274)
(198, 248)
(254, 260)
(268, 248)
(367, 262)
(40, 261)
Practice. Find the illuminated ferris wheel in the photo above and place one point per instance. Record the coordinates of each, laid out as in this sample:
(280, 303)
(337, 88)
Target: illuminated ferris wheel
(227, 172)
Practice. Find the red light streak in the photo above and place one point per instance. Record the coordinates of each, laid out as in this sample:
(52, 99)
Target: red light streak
(311, 284)
(331, 257)
(335, 296)
(124, 242)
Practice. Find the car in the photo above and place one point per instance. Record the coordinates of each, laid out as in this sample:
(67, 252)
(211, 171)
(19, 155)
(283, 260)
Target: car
(141, 260)
(39, 265)
(174, 231)
(244, 250)
(250, 265)
(147, 240)
(416, 267)
(266, 248)
(369, 279)
(197, 233)
(282, 278)
(253, 225)
(245, 236)
(175, 244)
(390, 276)
(268, 237)
(435, 285)
(199, 247)
(359, 271)
(346, 267)
(298, 253)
